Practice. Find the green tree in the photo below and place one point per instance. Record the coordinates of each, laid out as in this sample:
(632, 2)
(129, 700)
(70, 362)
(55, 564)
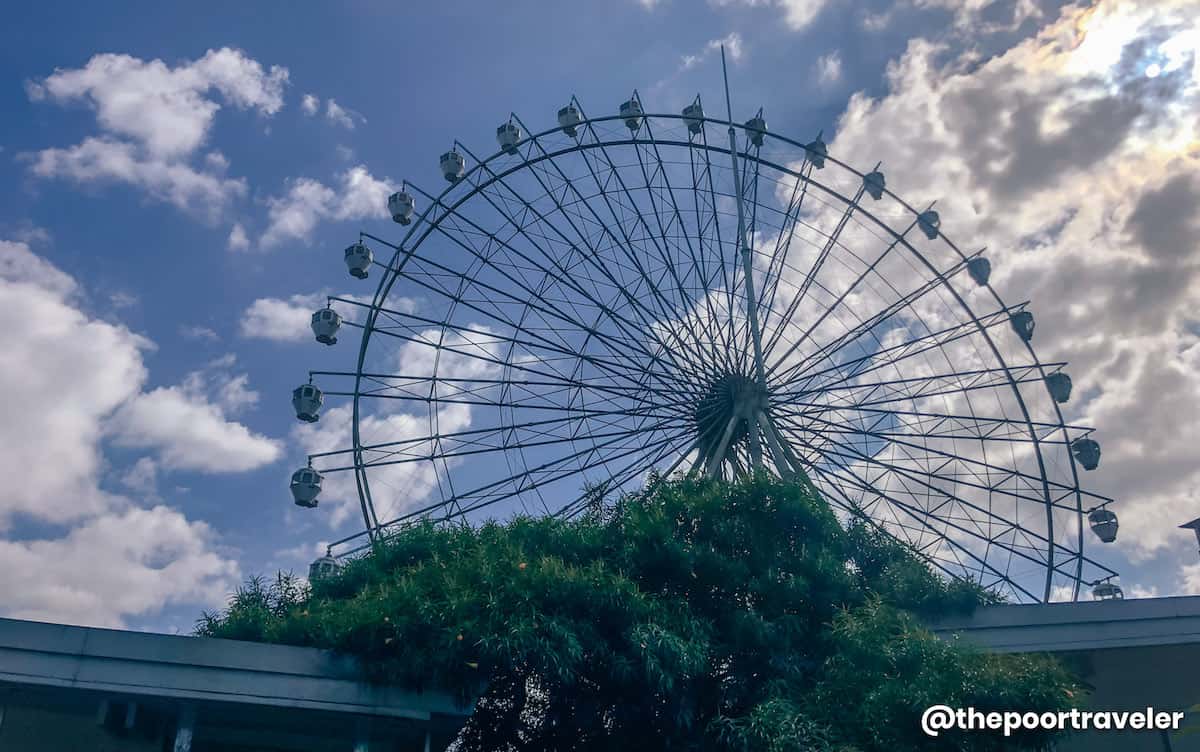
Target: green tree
(699, 615)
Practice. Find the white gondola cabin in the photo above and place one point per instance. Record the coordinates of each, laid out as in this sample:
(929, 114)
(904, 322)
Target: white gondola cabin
(1087, 451)
(929, 222)
(358, 260)
(1104, 524)
(1059, 386)
(307, 399)
(756, 128)
(326, 566)
(631, 111)
(325, 325)
(693, 115)
(401, 206)
(1023, 324)
(873, 184)
(569, 119)
(306, 487)
(980, 270)
(816, 151)
(454, 166)
(1106, 591)
(508, 136)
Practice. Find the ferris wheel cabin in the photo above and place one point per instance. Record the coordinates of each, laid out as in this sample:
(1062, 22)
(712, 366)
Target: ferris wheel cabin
(1087, 451)
(325, 325)
(816, 151)
(1059, 385)
(1023, 324)
(508, 136)
(980, 270)
(453, 166)
(693, 116)
(756, 128)
(306, 487)
(401, 206)
(358, 260)
(569, 120)
(307, 400)
(326, 566)
(873, 184)
(632, 112)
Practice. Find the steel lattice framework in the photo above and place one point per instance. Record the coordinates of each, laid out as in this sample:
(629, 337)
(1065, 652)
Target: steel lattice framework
(580, 313)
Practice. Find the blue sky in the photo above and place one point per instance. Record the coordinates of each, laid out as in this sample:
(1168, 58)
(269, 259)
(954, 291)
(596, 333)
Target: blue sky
(155, 197)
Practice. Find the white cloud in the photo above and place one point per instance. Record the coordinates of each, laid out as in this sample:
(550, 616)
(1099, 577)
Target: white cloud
(107, 160)
(310, 104)
(154, 119)
(238, 241)
(166, 109)
(797, 14)
(63, 377)
(829, 68)
(19, 265)
(290, 319)
(339, 115)
(1081, 174)
(197, 332)
(121, 300)
(294, 215)
(142, 478)
(187, 431)
(281, 320)
(127, 563)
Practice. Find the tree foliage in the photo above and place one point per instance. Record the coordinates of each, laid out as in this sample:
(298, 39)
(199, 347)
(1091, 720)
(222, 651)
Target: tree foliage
(699, 615)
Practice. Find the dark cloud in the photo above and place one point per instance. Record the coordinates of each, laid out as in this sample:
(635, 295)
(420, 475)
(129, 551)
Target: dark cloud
(1166, 222)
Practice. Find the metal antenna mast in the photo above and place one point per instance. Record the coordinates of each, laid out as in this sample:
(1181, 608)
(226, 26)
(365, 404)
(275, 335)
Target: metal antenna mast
(752, 410)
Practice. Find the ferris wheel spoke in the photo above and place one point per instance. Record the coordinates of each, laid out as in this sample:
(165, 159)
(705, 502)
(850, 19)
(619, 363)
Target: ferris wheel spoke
(493, 361)
(629, 298)
(841, 298)
(891, 355)
(720, 349)
(439, 400)
(625, 246)
(867, 326)
(921, 524)
(667, 310)
(783, 244)
(725, 262)
(810, 276)
(554, 477)
(989, 476)
(862, 394)
(623, 368)
(696, 254)
(475, 447)
(527, 301)
(487, 436)
(631, 470)
(927, 421)
(973, 514)
(517, 483)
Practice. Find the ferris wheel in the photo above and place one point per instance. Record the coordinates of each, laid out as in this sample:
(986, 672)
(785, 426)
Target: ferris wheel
(632, 296)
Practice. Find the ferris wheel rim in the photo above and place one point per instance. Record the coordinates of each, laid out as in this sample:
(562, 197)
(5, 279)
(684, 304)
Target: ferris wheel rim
(403, 252)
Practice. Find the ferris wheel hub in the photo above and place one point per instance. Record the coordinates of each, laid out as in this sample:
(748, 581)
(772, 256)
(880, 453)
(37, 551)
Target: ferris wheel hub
(732, 399)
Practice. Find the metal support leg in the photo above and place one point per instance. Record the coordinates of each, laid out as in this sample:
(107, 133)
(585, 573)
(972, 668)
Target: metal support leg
(782, 463)
(718, 455)
(362, 735)
(185, 729)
